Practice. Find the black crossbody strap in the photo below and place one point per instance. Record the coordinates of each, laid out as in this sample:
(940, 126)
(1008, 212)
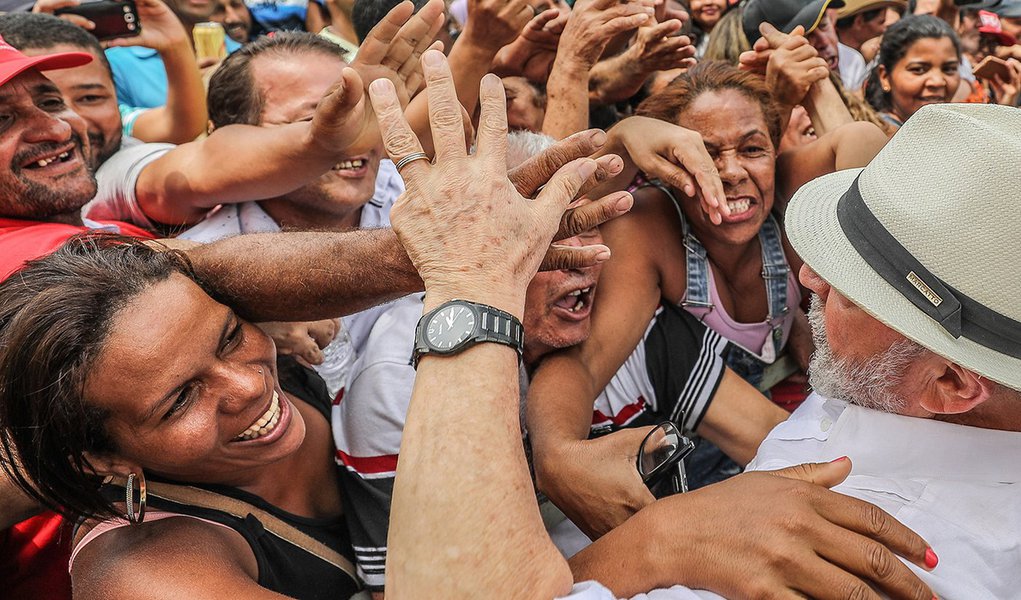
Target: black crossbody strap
(193, 496)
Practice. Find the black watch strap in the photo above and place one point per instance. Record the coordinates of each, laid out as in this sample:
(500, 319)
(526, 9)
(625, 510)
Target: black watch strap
(492, 325)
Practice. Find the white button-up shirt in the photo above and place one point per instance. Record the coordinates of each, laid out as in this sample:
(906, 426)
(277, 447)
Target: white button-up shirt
(956, 486)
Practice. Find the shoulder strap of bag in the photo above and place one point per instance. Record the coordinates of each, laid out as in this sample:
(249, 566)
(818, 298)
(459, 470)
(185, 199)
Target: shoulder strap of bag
(193, 496)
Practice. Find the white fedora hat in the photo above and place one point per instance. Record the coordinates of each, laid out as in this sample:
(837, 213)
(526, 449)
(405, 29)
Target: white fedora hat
(927, 237)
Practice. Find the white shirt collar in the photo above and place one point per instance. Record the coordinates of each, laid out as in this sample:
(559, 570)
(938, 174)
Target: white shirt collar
(896, 445)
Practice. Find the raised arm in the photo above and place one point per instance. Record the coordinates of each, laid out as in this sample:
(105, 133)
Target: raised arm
(847, 147)
(590, 27)
(492, 24)
(183, 118)
(653, 48)
(310, 276)
(181, 186)
(796, 75)
(486, 509)
(595, 481)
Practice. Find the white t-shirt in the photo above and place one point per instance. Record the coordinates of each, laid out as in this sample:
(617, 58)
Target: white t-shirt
(853, 70)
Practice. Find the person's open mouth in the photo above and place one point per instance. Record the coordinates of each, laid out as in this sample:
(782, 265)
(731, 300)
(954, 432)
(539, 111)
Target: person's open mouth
(741, 208)
(271, 423)
(575, 305)
(56, 162)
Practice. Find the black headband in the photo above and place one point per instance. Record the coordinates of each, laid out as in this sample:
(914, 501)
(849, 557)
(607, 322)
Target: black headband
(960, 315)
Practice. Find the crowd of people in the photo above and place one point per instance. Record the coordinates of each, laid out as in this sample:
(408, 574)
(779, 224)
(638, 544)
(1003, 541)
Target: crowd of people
(399, 298)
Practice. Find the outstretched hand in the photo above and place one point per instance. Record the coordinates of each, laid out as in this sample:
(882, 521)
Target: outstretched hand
(782, 534)
(469, 230)
(393, 47)
(343, 120)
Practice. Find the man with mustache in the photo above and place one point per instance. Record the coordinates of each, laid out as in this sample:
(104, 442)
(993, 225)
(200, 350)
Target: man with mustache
(89, 88)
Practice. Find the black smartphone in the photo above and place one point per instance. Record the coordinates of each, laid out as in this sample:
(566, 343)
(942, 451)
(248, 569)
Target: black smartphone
(113, 18)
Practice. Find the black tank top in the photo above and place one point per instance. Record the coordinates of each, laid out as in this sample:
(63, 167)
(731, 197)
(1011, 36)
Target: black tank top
(283, 567)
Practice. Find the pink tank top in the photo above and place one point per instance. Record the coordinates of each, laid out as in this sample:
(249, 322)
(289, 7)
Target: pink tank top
(753, 337)
(111, 524)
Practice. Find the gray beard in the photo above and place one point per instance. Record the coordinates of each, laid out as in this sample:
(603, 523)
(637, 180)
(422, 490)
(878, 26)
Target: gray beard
(869, 384)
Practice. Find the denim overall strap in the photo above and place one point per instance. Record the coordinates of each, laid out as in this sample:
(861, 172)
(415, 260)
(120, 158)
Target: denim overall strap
(696, 261)
(775, 271)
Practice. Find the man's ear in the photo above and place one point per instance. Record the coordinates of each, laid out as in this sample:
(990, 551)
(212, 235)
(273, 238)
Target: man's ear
(957, 390)
(111, 464)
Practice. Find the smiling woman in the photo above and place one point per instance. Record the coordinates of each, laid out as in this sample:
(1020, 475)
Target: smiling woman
(116, 363)
(918, 64)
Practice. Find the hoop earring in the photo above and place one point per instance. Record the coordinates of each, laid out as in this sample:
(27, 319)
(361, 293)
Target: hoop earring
(129, 493)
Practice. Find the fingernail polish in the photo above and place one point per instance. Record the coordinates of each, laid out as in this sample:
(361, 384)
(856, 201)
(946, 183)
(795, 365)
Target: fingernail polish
(843, 458)
(931, 560)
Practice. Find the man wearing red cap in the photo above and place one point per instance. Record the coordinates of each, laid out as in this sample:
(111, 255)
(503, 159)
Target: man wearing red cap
(47, 182)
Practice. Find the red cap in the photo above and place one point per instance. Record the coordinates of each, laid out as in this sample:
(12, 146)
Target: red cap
(14, 63)
(989, 24)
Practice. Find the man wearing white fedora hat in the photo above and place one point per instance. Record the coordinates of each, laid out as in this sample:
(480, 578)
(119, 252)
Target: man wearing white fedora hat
(917, 325)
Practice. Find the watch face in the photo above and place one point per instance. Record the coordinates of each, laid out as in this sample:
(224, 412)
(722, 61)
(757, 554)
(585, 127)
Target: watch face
(449, 327)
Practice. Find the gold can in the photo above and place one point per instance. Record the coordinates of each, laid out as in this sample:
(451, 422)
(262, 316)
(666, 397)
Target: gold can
(210, 41)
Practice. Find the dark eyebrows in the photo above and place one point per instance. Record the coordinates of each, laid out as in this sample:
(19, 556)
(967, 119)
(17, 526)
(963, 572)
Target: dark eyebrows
(160, 404)
(89, 86)
(46, 87)
(744, 138)
(43, 87)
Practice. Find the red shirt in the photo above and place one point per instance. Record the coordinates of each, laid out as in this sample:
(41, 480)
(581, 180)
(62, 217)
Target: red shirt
(34, 554)
(22, 240)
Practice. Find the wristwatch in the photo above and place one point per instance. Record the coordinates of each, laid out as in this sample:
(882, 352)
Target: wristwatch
(458, 325)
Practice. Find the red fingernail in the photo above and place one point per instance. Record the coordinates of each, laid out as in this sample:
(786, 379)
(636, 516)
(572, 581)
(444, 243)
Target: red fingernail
(931, 560)
(843, 458)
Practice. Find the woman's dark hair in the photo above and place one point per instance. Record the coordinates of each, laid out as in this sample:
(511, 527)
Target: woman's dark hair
(896, 42)
(711, 76)
(55, 316)
(233, 97)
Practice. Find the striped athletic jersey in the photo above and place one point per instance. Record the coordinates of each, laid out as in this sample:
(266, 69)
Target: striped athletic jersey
(671, 375)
